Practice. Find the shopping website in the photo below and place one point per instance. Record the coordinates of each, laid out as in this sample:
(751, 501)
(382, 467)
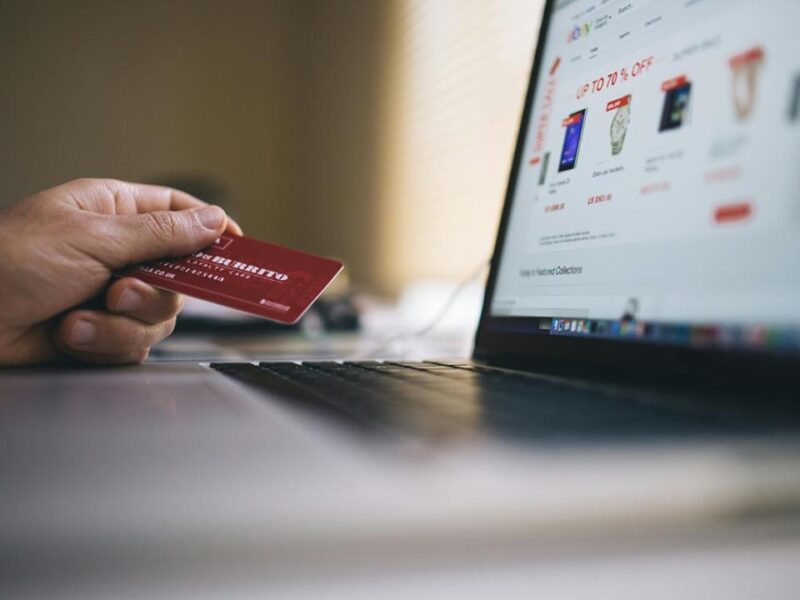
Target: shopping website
(660, 181)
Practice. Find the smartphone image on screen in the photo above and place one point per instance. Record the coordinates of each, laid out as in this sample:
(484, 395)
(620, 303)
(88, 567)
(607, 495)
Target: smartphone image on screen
(676, 107)
(572, 140)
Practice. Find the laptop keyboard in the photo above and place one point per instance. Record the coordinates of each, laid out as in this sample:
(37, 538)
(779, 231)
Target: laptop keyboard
(433, 398)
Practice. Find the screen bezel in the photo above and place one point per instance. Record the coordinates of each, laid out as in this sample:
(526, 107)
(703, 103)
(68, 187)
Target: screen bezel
(591, 356)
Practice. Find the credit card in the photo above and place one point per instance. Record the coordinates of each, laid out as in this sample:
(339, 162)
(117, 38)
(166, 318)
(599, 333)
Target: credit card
(267, 280)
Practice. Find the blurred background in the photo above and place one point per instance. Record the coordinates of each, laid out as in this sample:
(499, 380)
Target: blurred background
(378, 132)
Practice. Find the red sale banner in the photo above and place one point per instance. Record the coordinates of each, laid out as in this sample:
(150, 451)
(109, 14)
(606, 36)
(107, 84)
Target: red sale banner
(752, 55)
(554, 66)
(675, 82)
(615, 104)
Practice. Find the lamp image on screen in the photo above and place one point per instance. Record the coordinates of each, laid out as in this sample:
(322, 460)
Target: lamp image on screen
(676, 103)
(572, 140)
(745, 68)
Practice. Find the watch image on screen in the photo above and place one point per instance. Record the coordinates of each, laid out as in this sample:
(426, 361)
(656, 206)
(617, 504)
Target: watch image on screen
(572, 140)
(619, 125)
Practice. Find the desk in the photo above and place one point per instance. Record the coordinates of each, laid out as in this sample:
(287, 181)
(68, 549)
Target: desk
(191, 501)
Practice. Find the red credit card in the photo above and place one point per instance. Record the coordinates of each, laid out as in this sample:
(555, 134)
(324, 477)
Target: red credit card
(264, 279)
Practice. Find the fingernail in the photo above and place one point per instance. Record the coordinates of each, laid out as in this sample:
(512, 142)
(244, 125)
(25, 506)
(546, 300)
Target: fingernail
(211, 217)
(129, 301)
(83, 332)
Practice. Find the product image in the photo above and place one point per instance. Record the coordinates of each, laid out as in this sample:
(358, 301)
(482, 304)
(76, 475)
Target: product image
(620, 122)
(745, 68)
(572, 140)
(543, 172)
(794, 104)
(676, 103)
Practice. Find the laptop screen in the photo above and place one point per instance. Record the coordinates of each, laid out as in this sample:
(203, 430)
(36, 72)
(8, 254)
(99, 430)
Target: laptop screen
(657, 197)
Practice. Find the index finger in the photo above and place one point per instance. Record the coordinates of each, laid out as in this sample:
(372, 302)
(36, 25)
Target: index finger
(153, 198)
(111, 196)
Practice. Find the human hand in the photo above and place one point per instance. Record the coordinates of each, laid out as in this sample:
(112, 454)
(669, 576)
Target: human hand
(58, 250)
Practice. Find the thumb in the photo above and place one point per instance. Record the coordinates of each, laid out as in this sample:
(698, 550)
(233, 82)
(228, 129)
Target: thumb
(148, 236)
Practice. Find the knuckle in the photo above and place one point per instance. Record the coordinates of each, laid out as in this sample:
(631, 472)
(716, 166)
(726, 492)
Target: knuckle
(83, 182)
(91, 184)
(173, 303)
(125, 338)
(161, 224)
(105, 182)
(180, 302)
(136, 357)
(141, 337)
(169, 327)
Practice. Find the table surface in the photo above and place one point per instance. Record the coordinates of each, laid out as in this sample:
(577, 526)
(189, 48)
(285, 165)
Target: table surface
(724, 553)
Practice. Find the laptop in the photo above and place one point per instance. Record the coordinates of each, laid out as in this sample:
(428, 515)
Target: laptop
(645, 275)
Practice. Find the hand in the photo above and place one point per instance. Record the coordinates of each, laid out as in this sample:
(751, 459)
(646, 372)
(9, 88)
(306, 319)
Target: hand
(58, 250)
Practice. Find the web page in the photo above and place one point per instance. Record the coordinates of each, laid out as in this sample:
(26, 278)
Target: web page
(659, 193)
